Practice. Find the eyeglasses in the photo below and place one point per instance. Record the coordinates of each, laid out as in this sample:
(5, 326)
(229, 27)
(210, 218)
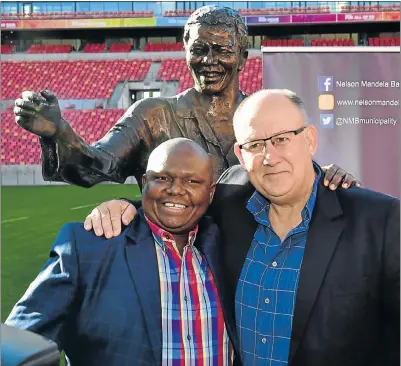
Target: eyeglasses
(280, 140)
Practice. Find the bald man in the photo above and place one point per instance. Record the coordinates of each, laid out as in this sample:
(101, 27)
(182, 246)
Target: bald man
(152, 296)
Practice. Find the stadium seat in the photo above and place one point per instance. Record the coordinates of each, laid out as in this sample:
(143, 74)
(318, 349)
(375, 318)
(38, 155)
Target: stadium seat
(163, 47)
(94, 47)
(6, 49)
(120, 47)
(50, 48)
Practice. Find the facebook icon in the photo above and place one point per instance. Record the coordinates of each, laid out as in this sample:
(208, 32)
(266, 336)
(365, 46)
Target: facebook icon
(325, 83)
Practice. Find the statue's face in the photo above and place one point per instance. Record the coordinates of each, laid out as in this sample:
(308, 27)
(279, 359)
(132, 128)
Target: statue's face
(213, 57)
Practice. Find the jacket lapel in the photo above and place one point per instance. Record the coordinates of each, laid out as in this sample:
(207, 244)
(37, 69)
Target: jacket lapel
(142, 261)
(325, 229)
(209, 244)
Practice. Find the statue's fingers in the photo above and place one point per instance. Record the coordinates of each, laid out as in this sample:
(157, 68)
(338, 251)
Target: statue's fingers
(33, 97)
(26, 105)
(18, 111)
(49, 96)
(25, 122)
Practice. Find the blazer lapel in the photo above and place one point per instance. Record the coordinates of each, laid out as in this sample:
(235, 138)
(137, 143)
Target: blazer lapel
(325, 229)
(209, 244)
(142, 261)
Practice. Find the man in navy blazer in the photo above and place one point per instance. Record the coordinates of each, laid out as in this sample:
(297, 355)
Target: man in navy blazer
(111, 302)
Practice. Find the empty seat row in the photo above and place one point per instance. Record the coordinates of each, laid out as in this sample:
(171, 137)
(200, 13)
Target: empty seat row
(50, 48)
(282, 42)
(283, 10)
(384, 41)
(330, 42)
(369, 8)
(6, 49)
(163, 47)
(120, 47)
(80, 15)
(83, 79)
(94, 47)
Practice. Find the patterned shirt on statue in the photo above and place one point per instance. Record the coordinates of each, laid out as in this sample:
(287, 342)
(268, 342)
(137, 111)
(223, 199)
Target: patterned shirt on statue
(194, 333)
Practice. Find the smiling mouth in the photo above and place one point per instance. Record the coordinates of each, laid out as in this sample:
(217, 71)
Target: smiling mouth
(211, 75)
(174, 206)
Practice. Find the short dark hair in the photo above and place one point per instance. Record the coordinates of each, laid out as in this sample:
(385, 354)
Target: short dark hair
(216, 15)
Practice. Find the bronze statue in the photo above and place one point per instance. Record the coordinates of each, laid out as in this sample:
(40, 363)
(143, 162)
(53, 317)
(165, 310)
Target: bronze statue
(216, 41)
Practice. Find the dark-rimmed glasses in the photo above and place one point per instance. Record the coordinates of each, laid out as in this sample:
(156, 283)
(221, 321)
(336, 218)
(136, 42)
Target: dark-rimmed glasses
(279, 140)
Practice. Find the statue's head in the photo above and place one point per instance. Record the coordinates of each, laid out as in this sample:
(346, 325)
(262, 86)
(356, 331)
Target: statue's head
(216, 43)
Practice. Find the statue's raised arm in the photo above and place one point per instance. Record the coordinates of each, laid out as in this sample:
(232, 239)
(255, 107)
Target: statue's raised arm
(67, 157)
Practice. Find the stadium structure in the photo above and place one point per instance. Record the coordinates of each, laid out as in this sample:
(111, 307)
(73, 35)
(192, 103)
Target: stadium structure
(100, 57)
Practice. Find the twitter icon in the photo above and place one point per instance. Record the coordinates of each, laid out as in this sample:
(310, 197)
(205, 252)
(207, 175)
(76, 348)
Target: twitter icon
(326, 120)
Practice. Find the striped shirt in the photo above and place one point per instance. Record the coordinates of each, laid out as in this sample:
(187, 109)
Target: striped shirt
(194, 333)
(267, 288)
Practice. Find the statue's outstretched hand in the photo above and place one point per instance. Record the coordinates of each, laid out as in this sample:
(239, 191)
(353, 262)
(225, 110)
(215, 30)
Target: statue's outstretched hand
(39, 114)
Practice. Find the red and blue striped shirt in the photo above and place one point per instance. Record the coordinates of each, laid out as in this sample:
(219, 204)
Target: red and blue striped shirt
(194, 333)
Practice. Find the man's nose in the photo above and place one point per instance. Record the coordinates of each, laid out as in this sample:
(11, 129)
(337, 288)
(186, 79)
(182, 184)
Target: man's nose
(176, 188)
(270, 154)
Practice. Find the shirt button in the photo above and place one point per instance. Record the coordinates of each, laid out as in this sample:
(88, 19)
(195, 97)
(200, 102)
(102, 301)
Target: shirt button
(264, 340)
(189, 337)
(267, 300)
(274, 264)
(185, 298)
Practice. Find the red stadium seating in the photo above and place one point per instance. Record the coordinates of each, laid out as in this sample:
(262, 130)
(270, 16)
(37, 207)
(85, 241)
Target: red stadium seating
(50, 48)
(94, 79)
(370, 8)
(19, 147)
(79, 15)
(282, 42)
(94, 47)
(6, 49)
(161, 47)
(283, 10)
(120, 47)
(330, 42)
(176, 70)
(384, 41)
(178, 13)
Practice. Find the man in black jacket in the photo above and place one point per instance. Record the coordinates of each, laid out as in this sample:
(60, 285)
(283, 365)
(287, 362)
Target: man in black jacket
(313, 273)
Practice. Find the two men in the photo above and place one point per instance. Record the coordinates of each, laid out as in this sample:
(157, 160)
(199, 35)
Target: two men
(313, 273)
(153, 296)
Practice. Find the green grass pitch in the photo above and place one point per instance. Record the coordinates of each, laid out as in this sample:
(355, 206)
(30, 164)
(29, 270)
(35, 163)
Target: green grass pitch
(30, 220)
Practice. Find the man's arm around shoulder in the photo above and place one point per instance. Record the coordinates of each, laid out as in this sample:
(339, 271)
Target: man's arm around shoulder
(47, 303)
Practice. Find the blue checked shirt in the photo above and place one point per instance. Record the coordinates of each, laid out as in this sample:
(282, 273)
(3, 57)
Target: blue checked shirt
(266, 290)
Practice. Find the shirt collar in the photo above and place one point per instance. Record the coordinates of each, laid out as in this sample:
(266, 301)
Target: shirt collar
(162, 235)
(259, 205)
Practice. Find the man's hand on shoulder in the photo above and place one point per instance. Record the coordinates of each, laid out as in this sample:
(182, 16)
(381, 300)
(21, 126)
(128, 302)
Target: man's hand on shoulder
(334, 176)
(106, 218)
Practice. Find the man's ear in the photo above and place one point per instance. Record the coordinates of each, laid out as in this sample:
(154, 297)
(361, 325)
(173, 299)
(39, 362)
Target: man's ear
(212, 191)
(311, 138)
(243, 55)
(238, 154)
(144, 180)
